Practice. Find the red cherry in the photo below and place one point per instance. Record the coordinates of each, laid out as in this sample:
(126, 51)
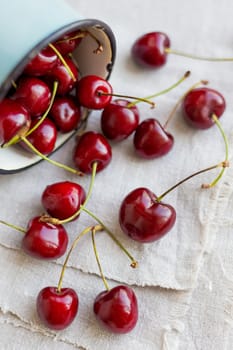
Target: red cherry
(13, 118)
(144, 219)
(60, 73)
(43, 62)
(92, 147)
(151, 140)
(44, 137)
(57, 309)
(63, 199)
(149, 49)
(67, 43)
(200, 104)
(89, 90)
(34, 95)
(44, 240)
(65, 113)
(117, 309)
(118, 121)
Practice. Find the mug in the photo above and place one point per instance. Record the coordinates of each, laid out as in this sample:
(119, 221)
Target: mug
(29, 26)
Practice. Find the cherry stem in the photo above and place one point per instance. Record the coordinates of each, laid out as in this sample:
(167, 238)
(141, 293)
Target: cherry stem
(100, 46)
(41, 155)
(15, 227)
(174, 109)
(55, 221)
(75, 242)
(214, 59)
(162, 92)
(63, 61)
(77, 36)
(93, 232)
(223, 165)
(214, 182)
(139, 99)
(134, 262)
(13, 83)
(55, 86)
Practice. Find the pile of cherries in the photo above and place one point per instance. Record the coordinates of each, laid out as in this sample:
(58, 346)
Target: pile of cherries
(143, 216)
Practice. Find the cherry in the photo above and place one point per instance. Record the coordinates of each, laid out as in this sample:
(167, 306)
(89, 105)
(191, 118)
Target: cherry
(66, 75)
(34, 95)
(92, 147)
(149, 49)
(63, 199)
(118, 120)
(151, 140)
(143, 218)
(13, 118)
(43, 62)
(43, 138)
(44, 240)
(200, 104)
(91, 91)
(65, 113)
(117, 309)
(57, 309)
(68, 43)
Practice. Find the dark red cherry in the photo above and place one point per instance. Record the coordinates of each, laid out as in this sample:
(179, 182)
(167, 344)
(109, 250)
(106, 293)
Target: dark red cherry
(44, 137)
(57, 309)
(34, 95)
(65, 113)
(13, 117)
(44, 240)
(63, 199)
(118, 121)
(68, 43)
(149, 49)
(43, 62)
(61, 74)
(117, 309)
(144, 219)
(151, 140)
(92, 147)
(200, 104)
(89, 90)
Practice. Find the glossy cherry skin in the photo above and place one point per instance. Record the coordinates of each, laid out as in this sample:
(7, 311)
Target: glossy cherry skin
(143, 219)
(57, 310)
(63, 199)
(89, 90)
(117, 309)
(34, 95)
(13, 117)
(149, 49)
(118, 121)
(60, 73)
(200, 104)
(43, 138)
(92, 147)
(44, 240)
(65, 113)
(67, 43)
(43, 62)
(151, 140)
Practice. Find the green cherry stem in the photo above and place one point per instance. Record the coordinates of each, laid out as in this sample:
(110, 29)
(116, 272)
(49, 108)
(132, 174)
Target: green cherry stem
(134, 262)
(55, 86)
(75, 242)
(63, 61)
(138, 99)
(55, 221)
(162, 92)
(214, 182)
(219, 165)
(15, 227)
(41, 155)
(174, 109)
(196, 57)
(93, 232)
